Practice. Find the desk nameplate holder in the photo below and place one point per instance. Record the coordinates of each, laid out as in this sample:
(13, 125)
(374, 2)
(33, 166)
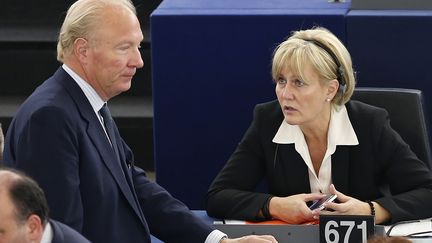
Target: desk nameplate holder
(283, 233)
(346, 228)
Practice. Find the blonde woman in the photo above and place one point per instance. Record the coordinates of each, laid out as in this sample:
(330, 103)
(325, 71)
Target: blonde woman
(313, 141)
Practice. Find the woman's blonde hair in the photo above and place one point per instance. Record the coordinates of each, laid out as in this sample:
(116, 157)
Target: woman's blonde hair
(81, 20)
(324, 51)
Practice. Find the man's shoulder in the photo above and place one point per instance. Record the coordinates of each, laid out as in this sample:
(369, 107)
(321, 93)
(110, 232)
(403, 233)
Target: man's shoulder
(53, 89)
(65, 234)
(53, 94)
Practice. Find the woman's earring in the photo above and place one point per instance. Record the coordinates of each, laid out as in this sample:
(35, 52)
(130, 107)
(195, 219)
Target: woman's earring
(328, 99)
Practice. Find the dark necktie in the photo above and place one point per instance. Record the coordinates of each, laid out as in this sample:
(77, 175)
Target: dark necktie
(109, 127)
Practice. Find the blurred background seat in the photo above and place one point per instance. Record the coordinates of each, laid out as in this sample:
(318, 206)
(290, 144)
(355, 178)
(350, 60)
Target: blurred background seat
(407, 114)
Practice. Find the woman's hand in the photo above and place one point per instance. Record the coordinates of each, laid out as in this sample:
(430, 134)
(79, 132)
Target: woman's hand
(293, 209)
(252, 239)
(350, 206)
(346, 205)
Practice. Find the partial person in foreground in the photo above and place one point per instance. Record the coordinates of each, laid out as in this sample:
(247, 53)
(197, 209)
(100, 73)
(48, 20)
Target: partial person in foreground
(24, 213)
(1, 143)
(64, 137)
(313, 140)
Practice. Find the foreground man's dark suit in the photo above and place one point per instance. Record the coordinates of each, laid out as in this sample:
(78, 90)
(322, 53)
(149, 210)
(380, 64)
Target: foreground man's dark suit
(58, 140)
(64, 234)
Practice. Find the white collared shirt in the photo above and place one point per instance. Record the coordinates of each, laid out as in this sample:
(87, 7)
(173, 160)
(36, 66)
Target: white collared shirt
(215, 236)
(340, 132)
(47, 235)
(95, 100)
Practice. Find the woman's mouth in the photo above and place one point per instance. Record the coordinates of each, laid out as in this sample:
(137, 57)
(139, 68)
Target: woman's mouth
(289, 109)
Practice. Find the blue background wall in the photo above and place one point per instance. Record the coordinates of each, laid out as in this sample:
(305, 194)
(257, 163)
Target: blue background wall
(392, 49)
(211, 65)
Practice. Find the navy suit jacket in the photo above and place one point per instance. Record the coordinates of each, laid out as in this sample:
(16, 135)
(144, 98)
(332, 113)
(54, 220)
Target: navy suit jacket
(64, 234)
(58, 140)
(381, 160)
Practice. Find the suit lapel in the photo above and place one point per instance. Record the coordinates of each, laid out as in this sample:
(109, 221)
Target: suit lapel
(97, 135)
(340, 168)
(290, 162)
(297, 171)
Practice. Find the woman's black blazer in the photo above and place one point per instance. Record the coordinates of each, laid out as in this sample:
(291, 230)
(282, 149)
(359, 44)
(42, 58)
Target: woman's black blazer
(381, 168)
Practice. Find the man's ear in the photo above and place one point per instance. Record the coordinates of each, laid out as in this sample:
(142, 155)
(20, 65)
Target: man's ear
(333, 86)
(80, 49)
(34, 228)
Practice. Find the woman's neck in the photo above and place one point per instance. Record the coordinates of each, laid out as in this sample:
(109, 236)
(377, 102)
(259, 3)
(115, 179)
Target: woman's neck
(318, 129)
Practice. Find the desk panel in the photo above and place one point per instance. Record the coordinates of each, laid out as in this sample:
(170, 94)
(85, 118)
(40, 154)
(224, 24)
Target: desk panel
(285, 233)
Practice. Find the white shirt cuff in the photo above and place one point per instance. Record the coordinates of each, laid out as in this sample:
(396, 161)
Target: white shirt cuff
(215, 236)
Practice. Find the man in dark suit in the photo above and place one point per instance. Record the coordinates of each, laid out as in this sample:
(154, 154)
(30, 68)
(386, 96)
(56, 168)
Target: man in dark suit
(64, 137)
(24, 213)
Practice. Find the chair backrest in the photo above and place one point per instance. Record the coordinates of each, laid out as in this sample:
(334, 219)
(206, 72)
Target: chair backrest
(407, 114)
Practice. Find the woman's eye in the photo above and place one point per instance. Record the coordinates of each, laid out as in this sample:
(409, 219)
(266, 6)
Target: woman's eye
(281, 81)
(299, 83)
